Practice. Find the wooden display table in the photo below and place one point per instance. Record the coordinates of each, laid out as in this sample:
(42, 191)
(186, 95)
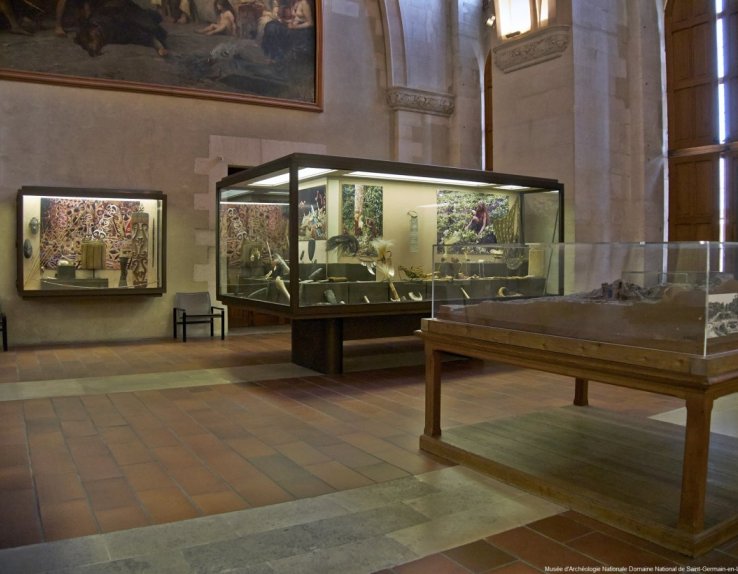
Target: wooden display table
(628, 484)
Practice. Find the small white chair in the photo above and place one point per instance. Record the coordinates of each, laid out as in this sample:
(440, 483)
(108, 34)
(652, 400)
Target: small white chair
(192, 308)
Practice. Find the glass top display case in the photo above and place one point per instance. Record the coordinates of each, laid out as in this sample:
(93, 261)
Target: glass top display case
(312, 236)
(90, 242)
(677, 296)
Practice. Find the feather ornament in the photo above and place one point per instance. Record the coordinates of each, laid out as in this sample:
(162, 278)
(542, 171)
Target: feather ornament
(382, 247)
(345, 244)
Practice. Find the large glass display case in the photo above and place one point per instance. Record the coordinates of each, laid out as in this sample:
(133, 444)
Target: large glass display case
(318, 236)
(669, 296)
(90, 242)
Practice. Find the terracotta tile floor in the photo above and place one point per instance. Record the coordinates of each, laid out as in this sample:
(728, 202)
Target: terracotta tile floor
(77, 465)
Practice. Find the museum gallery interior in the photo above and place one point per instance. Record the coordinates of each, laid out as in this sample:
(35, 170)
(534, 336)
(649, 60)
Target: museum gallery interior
(368, 286)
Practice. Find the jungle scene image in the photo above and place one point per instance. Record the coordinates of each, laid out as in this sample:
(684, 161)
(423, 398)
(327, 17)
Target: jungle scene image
(362, 214)
(465, 218)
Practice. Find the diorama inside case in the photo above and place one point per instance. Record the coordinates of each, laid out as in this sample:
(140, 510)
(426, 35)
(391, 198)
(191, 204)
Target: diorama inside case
(316, 232)
(90, 242)
(676, 296)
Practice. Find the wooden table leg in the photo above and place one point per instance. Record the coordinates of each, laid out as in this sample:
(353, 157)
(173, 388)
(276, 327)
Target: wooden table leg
(581, 392)
(432, 391)
(694, 469)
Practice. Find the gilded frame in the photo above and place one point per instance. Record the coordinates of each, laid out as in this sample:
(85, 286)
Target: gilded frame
(197, 66)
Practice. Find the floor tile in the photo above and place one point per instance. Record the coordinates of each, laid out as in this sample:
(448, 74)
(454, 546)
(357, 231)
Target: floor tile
(121, 518)
(615, 552)
(433, 564)
(109, 493)
(219, 502)
(560, 528)
(479, 556)
(68, 519)
(166, 505)
(538, 550)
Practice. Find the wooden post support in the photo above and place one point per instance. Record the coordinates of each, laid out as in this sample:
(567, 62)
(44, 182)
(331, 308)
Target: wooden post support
(432, 391)
(694, 468)
(581, 392)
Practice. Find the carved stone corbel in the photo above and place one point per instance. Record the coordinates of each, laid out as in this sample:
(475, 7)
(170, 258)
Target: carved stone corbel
(420, 101)
(532, 48)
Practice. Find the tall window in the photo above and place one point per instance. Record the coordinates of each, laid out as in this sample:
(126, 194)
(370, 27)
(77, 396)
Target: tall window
(702, 88)
(516, 17)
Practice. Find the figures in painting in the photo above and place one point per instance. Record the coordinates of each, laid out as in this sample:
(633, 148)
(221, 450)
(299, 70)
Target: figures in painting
(121, 22)
(480, 218)
(226, 20)
(17, 22)
(291, 38)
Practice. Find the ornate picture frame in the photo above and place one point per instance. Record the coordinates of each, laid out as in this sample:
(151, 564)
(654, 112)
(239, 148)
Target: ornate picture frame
(265, 52)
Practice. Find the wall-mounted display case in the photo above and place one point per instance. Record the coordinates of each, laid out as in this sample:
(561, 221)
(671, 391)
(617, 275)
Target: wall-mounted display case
(89, 242)
(677, 296)
(316, 237)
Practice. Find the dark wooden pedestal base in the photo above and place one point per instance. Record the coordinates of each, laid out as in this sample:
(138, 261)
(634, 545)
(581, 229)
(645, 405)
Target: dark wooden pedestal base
(318, 343)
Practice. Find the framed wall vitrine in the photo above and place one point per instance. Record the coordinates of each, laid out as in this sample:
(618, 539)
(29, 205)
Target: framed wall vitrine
(90, 242)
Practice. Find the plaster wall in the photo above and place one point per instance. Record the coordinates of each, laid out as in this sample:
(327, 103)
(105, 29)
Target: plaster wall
(73, 137)
(534, 124)
(618, 133)
(592, 119)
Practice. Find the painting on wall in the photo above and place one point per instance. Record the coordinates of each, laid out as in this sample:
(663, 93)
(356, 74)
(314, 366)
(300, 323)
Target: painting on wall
(256, 51)
(475, 218)
(311, 217)
(362, 214)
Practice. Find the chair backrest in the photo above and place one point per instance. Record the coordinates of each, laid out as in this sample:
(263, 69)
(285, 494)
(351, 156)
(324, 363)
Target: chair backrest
(193, 303)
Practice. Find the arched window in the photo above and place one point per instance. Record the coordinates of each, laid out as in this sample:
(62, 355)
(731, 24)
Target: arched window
(516, 17)
(702, 93)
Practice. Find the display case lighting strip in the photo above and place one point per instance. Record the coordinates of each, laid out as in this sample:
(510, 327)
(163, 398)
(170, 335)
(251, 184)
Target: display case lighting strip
(304, 173)
(510, 187)
(240, 192)
(88, 198)
(416, 178)
(282, 203)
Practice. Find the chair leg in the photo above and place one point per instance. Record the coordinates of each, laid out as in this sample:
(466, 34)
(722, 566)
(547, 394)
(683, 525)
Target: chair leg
(212, 327)
(184, 327)
(5, 333)
(174, 324)
(222, 328)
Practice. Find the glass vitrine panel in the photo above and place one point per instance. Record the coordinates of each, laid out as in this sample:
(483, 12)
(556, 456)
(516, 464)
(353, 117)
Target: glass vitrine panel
(680, 296)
